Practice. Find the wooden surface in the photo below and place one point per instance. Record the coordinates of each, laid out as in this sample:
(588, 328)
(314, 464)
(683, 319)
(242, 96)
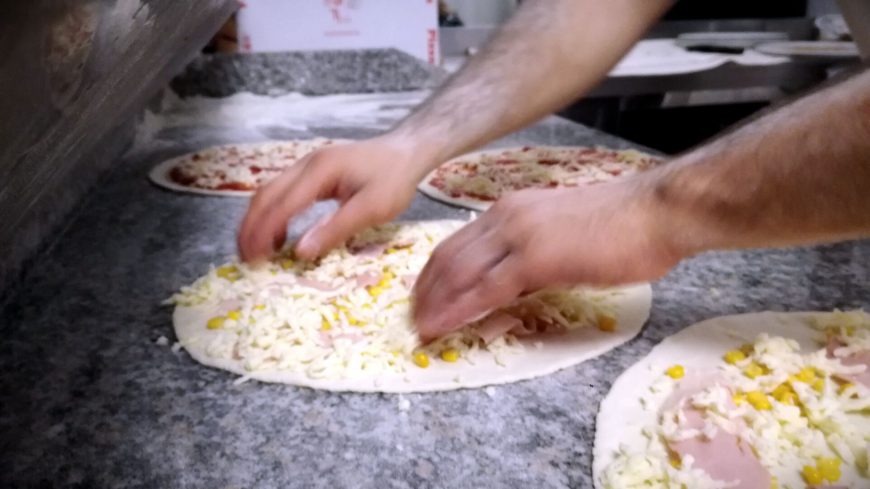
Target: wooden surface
(73, 77)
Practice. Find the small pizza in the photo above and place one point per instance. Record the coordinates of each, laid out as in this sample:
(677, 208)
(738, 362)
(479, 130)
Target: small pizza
(343, 322)
(745, 402)
(233, 169)
(477, 180)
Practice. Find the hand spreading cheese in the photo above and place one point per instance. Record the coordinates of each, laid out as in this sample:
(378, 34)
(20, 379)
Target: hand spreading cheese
(798, 175)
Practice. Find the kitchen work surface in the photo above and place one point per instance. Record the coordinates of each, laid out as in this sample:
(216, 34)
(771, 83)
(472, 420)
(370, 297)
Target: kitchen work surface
(91, 394)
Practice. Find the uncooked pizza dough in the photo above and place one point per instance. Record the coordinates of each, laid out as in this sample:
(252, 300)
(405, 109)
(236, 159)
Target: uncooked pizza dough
(233, 169)
(343, 323)
(775, 368)
(477, 180)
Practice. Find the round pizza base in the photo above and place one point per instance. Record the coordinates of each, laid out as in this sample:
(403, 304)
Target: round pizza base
(557, 352)
(159, 175)
(432, 192)
(621, 416)
(428, 190)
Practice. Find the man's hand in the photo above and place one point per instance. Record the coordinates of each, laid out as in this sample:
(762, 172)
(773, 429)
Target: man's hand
(373, 181)
(494, 94)
(604, 234)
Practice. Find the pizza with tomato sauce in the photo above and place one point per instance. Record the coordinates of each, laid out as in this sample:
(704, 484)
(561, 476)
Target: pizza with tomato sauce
(477, 180)
(233, 169)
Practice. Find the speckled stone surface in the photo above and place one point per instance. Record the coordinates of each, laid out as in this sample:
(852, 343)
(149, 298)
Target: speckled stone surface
(87, 399)
(311, 73)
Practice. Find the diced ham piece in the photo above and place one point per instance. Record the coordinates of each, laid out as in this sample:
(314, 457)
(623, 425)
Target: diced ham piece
(725, 457)
(496, 325)
(314, 284)
(368, 278)
(369, 250)
(409, 280)
(229, 305)
(857, 358)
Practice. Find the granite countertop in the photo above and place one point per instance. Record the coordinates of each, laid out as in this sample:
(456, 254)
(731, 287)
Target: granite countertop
(88, 399)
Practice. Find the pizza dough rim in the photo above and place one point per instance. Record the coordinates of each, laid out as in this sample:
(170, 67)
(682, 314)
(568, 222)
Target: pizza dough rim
(159, 174)
(434, 193)
(632, 313)
(620, 415)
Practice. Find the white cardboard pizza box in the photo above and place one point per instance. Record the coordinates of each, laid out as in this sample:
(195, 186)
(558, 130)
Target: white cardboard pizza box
(314, 25)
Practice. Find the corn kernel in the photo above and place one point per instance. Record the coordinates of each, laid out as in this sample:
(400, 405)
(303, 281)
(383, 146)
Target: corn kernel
(829, 468)
(753, 370)
(234, 315)
(747, 348)
(229, 272)
(375, 291)
(734, 356)
(215, 322)
(390, 251)
(606, 323)
(807, 375)
(260, 307)
(812, 475)
(286, 264)
(676, 372)
(324, 325)
(758, 400)
(738, 399)
(782, 392)
(819, 385)
(421, 359)
(789, 398)
(450, 355)
(354, 321)
(675, 461)
(774, 482)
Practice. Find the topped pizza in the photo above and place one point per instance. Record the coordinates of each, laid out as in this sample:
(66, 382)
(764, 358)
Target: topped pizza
(343, 322)
(233, 169)
(477, 180)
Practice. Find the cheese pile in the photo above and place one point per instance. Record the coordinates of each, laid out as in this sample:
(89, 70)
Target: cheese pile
(807, 424)
(349, 314)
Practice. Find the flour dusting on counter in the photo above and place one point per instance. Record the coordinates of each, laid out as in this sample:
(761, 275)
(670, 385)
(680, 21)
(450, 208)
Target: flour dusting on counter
(248, 116)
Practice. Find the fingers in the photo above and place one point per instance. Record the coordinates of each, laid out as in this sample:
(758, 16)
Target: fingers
(442, 258)
(362, 210)
(496, 287)
(266, 220)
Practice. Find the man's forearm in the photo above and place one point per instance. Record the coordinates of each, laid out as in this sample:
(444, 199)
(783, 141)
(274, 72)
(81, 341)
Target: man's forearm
(549, 53)
(798, 175)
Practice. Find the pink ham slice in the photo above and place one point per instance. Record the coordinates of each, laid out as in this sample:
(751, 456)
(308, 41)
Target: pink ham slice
(524, 322)
(368, 278)
(314, 284)
(409, 280)
(857, 358)
(496, 325)
(724, 457)
(369, 250)
(229, 305)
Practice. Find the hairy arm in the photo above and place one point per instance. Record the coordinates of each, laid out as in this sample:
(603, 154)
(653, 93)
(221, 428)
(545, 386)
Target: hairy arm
(549, 53)
(798, 175)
